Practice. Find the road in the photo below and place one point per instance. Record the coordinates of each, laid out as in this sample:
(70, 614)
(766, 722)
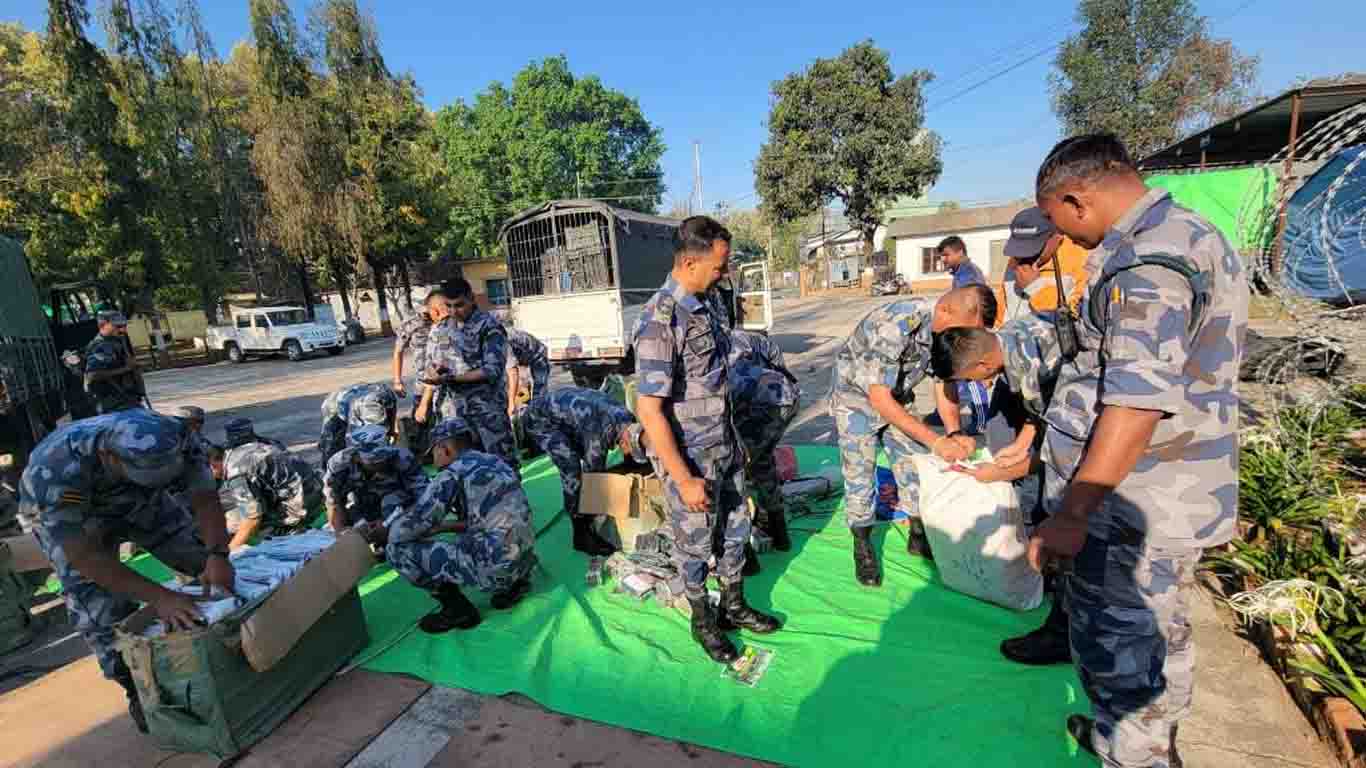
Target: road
(1242, 716)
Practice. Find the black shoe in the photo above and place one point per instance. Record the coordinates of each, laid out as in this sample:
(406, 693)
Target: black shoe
(751, 566)
(736, 613)
(1173, 758)
(866, 567)
(457, 612)
(708, 634)
(1046, 645)
(776, 528)
(917, 543)
(587, 540)
(512, 595)
(1080, 728)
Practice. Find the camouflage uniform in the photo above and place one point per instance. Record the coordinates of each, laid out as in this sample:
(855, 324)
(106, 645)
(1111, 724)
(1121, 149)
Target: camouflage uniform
(239, 431)
(271, 485)
(496, 550)
(369, 483)
(67, 491)
(478, 343)
(107, 353)
(1127, 595)
(577, 428)
(528, 351)
(681, 348)
(890, 347)
(765, 397)
(341, 416)
(411, 341)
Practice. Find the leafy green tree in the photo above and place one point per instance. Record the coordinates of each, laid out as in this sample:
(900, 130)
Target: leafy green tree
(1149, 72)
(847, 129)
(543, 138)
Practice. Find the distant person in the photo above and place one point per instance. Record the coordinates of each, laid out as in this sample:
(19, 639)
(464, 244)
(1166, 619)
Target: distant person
(1037, 250)
(193, 418)
(526, 351)
(974, 394)
(411, 343)
(766, 398)
(369, 479)
(352, 407)
(480, 499)
(275, 491)
(112, 375)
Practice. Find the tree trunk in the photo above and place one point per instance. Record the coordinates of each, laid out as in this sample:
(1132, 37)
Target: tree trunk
(308, 292)
(210, 304)
(339, 280)
(377, 275)
(407, 285)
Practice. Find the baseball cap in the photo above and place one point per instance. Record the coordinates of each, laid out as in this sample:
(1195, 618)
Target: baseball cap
(112, 316)
(151, 448)
(1029, 233)
(367, 437)
(449, 429)
(239, 431)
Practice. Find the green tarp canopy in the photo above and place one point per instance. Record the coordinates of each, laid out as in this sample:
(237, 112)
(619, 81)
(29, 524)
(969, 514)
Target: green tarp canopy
(1220, 196)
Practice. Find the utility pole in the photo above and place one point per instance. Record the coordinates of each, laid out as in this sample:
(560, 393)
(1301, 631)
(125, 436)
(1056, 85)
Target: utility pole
(697, 178)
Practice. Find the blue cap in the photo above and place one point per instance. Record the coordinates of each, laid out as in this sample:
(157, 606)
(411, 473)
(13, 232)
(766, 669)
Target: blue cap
(151, 448)
(239, 431)
(449, 430)
(1029, 233)
(368, 437)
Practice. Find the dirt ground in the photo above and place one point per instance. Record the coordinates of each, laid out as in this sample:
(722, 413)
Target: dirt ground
(1242, 714)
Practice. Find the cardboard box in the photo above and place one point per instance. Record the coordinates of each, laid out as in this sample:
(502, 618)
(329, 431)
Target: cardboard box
(221, 688)
(25, 554)
(628, 501)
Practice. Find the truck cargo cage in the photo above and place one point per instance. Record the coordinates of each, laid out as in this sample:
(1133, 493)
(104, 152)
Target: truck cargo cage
(560, 248)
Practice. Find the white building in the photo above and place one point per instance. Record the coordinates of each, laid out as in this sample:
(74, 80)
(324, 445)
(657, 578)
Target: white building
(913, 241)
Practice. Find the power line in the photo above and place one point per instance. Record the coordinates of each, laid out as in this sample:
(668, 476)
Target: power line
(1032, 57)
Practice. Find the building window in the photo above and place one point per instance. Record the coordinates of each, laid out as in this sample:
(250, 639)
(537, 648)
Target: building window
(931, 262)
(497, 292)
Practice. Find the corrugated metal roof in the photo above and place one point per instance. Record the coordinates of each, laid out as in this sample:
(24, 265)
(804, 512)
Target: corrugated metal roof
(1258, 134)
(954, 222)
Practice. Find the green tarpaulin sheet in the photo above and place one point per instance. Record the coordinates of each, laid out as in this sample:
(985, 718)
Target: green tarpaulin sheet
(1220, 195)
(905, 675)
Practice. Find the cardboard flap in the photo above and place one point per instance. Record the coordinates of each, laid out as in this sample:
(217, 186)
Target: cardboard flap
(25, 555)
(609, 493)
(273, 629)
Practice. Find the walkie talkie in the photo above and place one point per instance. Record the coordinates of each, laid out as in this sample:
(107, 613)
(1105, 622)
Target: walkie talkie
(1064, 320)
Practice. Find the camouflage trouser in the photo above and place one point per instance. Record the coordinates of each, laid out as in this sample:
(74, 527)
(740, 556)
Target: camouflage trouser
(332, 439)
(568, 461)
(540, 378)
(487, 560)
(760, 430)
(161, 527)
(1131, 641)
(490, 422)
(725, 527)
(860, 436)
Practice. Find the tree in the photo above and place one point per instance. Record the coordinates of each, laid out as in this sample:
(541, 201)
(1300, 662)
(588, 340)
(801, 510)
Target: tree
(846, 129)
(541, 139)
(1147, 71)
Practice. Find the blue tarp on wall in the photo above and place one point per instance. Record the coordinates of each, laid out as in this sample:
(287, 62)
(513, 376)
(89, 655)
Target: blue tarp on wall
(1324, 250)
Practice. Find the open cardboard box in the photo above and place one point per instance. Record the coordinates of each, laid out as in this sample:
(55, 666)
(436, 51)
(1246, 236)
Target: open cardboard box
(627, 500)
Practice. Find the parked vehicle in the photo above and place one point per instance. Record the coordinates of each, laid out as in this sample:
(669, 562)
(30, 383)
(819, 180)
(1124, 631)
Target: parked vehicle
(889, 287)
(581, 272)
(273, 331)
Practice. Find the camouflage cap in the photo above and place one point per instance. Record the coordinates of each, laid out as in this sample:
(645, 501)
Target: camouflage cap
(371, 409)
(239, 431)
(367, 437)
(112, 316)
(151, 448)
(190, 413)
(449, 429)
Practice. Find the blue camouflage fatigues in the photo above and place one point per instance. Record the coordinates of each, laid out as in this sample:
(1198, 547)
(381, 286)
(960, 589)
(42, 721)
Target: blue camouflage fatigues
(765, 397)
(272, 485)
(368, 483)
(578, 428)
(339, 418)
(68, 491)
(107, 353)
(1127, 594)
(497, 548)
(528, 351)
(681, 349)
(890, 347)
(478, 343)
(411, 342)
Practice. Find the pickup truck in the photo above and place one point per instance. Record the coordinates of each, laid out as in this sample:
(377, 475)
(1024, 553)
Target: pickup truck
(272, 331)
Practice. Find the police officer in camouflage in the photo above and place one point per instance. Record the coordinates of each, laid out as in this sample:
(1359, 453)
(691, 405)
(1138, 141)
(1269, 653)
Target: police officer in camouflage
(369, 478)
(96, 483)
(351, 408)
(1162, 327)
(411, 341)
(275, 491)
(526, 351)
(479, 498)
(240, 431)
(681, 349)
(467, 359)
(875, 375)
(578, 428)
(765, 396)
(112, 376)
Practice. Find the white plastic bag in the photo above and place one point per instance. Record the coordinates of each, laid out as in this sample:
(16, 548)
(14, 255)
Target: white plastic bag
(977, 534)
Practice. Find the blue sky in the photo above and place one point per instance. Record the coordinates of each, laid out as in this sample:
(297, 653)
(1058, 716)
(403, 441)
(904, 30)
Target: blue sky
(702, 70)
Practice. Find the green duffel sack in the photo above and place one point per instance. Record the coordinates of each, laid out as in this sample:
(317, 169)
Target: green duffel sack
(18, 625)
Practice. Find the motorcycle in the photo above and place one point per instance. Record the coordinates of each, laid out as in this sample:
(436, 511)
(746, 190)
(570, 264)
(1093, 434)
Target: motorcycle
(890, 287)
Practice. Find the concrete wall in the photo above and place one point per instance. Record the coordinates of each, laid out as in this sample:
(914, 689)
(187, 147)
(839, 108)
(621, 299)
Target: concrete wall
(184, 326)
(908, 253)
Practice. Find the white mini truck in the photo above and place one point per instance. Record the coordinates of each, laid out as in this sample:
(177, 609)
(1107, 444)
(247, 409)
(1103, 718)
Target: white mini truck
(274, 331)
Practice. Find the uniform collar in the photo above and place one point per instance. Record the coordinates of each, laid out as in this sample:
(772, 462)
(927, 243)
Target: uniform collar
(684, 299)
(1138, 217)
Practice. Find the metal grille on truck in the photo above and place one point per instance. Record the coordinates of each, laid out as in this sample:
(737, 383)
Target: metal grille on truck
(560, 253)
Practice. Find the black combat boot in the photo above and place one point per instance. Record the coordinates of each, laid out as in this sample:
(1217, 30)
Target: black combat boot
(866, 566)
(511, 596)
(917, 543)
(751, 566)
(457, 612)
(587, 540)
(1046, 645)
(776, 528)
(125, 679)
(708, 634)
(1081, 727)
(737, 614)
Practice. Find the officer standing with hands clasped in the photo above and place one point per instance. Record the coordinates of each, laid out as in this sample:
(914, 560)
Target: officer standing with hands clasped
(1161, 337)
(112, 375)
(681, 348)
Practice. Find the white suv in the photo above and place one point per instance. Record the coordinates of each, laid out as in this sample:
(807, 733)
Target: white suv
(274, 330)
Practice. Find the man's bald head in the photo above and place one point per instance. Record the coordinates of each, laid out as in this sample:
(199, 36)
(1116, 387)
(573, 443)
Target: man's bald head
(972, 306)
